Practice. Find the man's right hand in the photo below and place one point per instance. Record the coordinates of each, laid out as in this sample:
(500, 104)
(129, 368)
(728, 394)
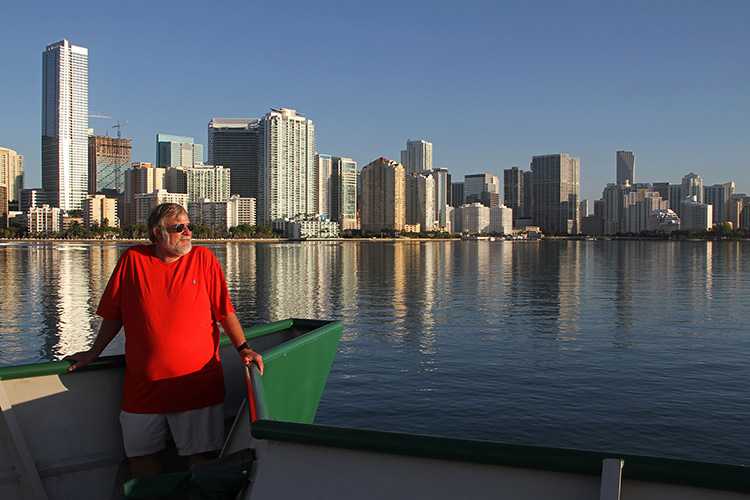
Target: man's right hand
(80, 359)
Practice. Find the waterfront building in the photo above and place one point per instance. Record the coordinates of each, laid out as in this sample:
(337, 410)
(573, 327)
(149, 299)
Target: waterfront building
(442, 196)
(482, 188)
(471, 218)
(696, 216)
(675, 197)
(65, 124)
(313, 227)
(583, 208)
(420, 200)
(234, 144)
(97, 208)
(11, 173)
(109, 157)
(501, 220)
(207, 182)
(177, 151)
(663, 221)
(458, 194)
(383, 203)
(44, 219)
(146, 202)
(142, 178)
(3, 205)
(515, 192)
(717, 196)
(288, 161)
(32, 198)
(692, 185)
(745, 217)
(733, 208)
(343, 192)
(417, 157)
(639, 203)
(555, 184)
(223, 214)
(322, 177)
(625, 167)
(175, 180)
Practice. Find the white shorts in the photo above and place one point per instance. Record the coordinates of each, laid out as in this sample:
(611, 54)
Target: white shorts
(194, 431)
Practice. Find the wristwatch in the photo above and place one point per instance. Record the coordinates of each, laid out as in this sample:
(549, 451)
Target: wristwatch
(242, 347)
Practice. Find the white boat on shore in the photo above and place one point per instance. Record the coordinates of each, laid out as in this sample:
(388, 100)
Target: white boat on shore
(59, 439)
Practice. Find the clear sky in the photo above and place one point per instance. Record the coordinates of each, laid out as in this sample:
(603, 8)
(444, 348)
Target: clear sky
(489, 83)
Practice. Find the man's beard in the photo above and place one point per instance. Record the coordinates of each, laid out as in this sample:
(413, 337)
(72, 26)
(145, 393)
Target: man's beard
(180, 248)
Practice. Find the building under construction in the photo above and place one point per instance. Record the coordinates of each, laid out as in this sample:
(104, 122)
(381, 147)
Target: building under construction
(109, 157)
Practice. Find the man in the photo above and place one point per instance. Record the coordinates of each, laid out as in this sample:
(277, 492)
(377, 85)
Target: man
(169, 297)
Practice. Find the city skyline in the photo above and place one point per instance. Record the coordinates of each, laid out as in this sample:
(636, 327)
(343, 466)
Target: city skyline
(659, 80)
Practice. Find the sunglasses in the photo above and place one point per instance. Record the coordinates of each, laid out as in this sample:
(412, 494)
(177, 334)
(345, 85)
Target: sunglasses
(178, 228)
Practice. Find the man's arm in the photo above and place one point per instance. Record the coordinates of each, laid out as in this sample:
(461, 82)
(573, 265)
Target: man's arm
(234, 331)
(107, 331)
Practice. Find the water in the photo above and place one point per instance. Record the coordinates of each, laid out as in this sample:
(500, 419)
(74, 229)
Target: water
(628, 346)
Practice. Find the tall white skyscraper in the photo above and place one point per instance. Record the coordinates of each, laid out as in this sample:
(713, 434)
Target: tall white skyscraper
(417, 156)
(288, 187)
(65, 109)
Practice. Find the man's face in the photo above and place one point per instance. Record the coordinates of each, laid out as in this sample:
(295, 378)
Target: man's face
(172, 242)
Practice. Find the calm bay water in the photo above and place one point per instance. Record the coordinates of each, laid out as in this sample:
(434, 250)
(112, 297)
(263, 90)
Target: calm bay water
(628, 346)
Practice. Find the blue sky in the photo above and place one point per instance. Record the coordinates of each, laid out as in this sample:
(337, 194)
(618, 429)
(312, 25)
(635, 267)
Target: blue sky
(490, 84)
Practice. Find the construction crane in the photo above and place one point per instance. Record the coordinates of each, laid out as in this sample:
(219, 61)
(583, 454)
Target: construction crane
(119, 125)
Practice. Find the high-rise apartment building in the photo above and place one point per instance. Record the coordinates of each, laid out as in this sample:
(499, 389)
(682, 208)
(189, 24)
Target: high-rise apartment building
(208, 182)
(234, 144)
(442, 196)
(109, 158)
(717, 196)
(513, 190)
(65, 124)
(555, 185)
(420, 200)
(323, 184)
(625, 167)
(97, 209)
(417, 156)
(177, 151)
(383, 196)
(141, 179)
(287, 142)
(11, 173)
(692, 185)
(343, 192)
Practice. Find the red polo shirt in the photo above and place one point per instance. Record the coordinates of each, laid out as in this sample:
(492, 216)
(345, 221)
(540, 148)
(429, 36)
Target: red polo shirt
(170, 313)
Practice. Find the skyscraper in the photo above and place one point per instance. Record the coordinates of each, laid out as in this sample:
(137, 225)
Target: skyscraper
(287, 189)
(482, 188)
(322, 202)
(65, 111)
(625, 167)
(11, 173)
(233, 144)
(343, 192)
(383, 196)
(109, 158)
(177, 151)
(555, 185)
(417, 156)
